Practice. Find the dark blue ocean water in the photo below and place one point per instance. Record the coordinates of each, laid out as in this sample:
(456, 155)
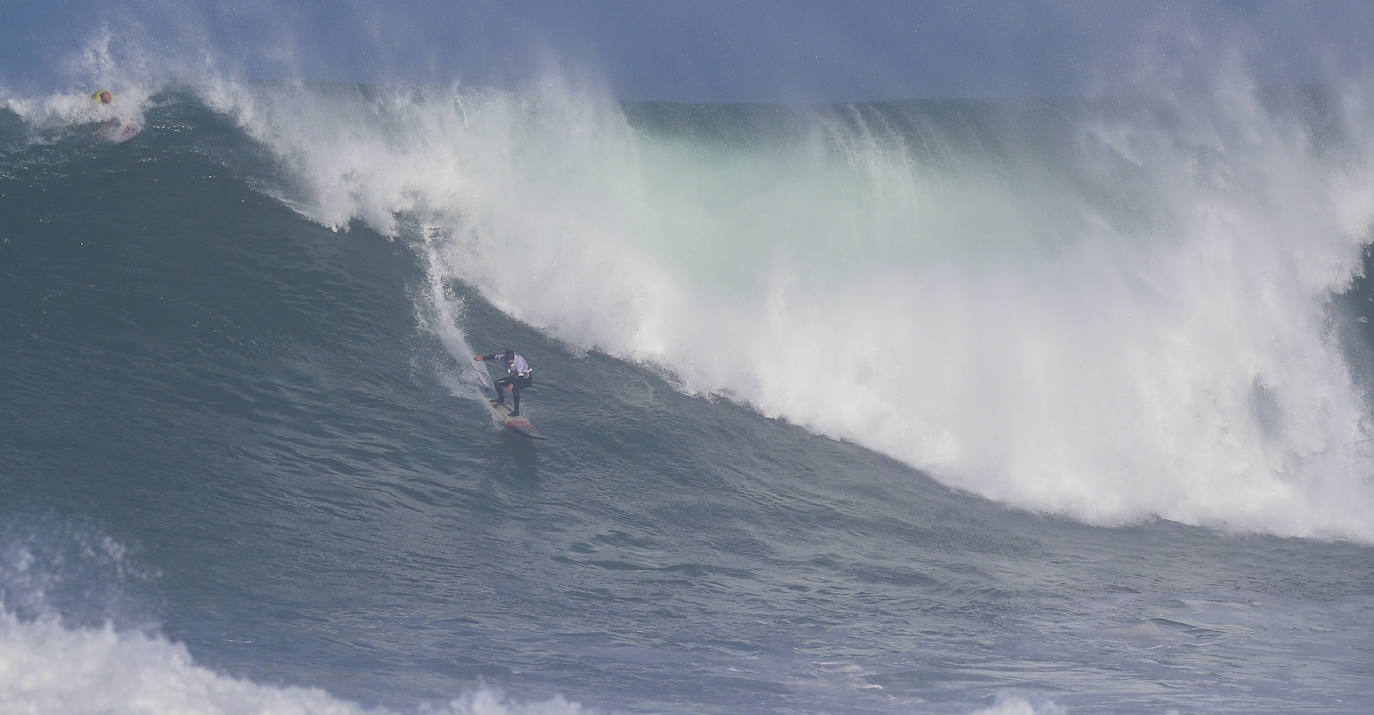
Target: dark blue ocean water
(242, 468)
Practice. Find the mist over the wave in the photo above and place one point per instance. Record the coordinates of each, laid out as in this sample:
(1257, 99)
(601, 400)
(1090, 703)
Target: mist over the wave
(816, 51)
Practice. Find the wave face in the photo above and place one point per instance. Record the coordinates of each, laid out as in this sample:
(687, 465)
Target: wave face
(1111, 311)
(870, 407)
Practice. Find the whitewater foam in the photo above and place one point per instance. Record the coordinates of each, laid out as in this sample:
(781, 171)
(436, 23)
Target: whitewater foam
(1114, 311)
(48, 668)
(1085, 311)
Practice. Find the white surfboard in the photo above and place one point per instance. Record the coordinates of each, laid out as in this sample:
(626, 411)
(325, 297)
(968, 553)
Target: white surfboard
(122, 132)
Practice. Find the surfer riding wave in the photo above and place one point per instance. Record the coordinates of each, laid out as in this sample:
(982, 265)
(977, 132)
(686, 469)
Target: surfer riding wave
(519, 375)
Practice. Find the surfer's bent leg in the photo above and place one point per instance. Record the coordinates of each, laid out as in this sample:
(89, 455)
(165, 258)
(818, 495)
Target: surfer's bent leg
(520, 383)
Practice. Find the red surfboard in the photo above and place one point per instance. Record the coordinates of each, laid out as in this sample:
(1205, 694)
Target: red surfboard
(518, 424)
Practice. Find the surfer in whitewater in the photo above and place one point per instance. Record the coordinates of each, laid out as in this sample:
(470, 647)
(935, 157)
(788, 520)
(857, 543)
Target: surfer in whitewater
(114, 127)
(519, 375)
